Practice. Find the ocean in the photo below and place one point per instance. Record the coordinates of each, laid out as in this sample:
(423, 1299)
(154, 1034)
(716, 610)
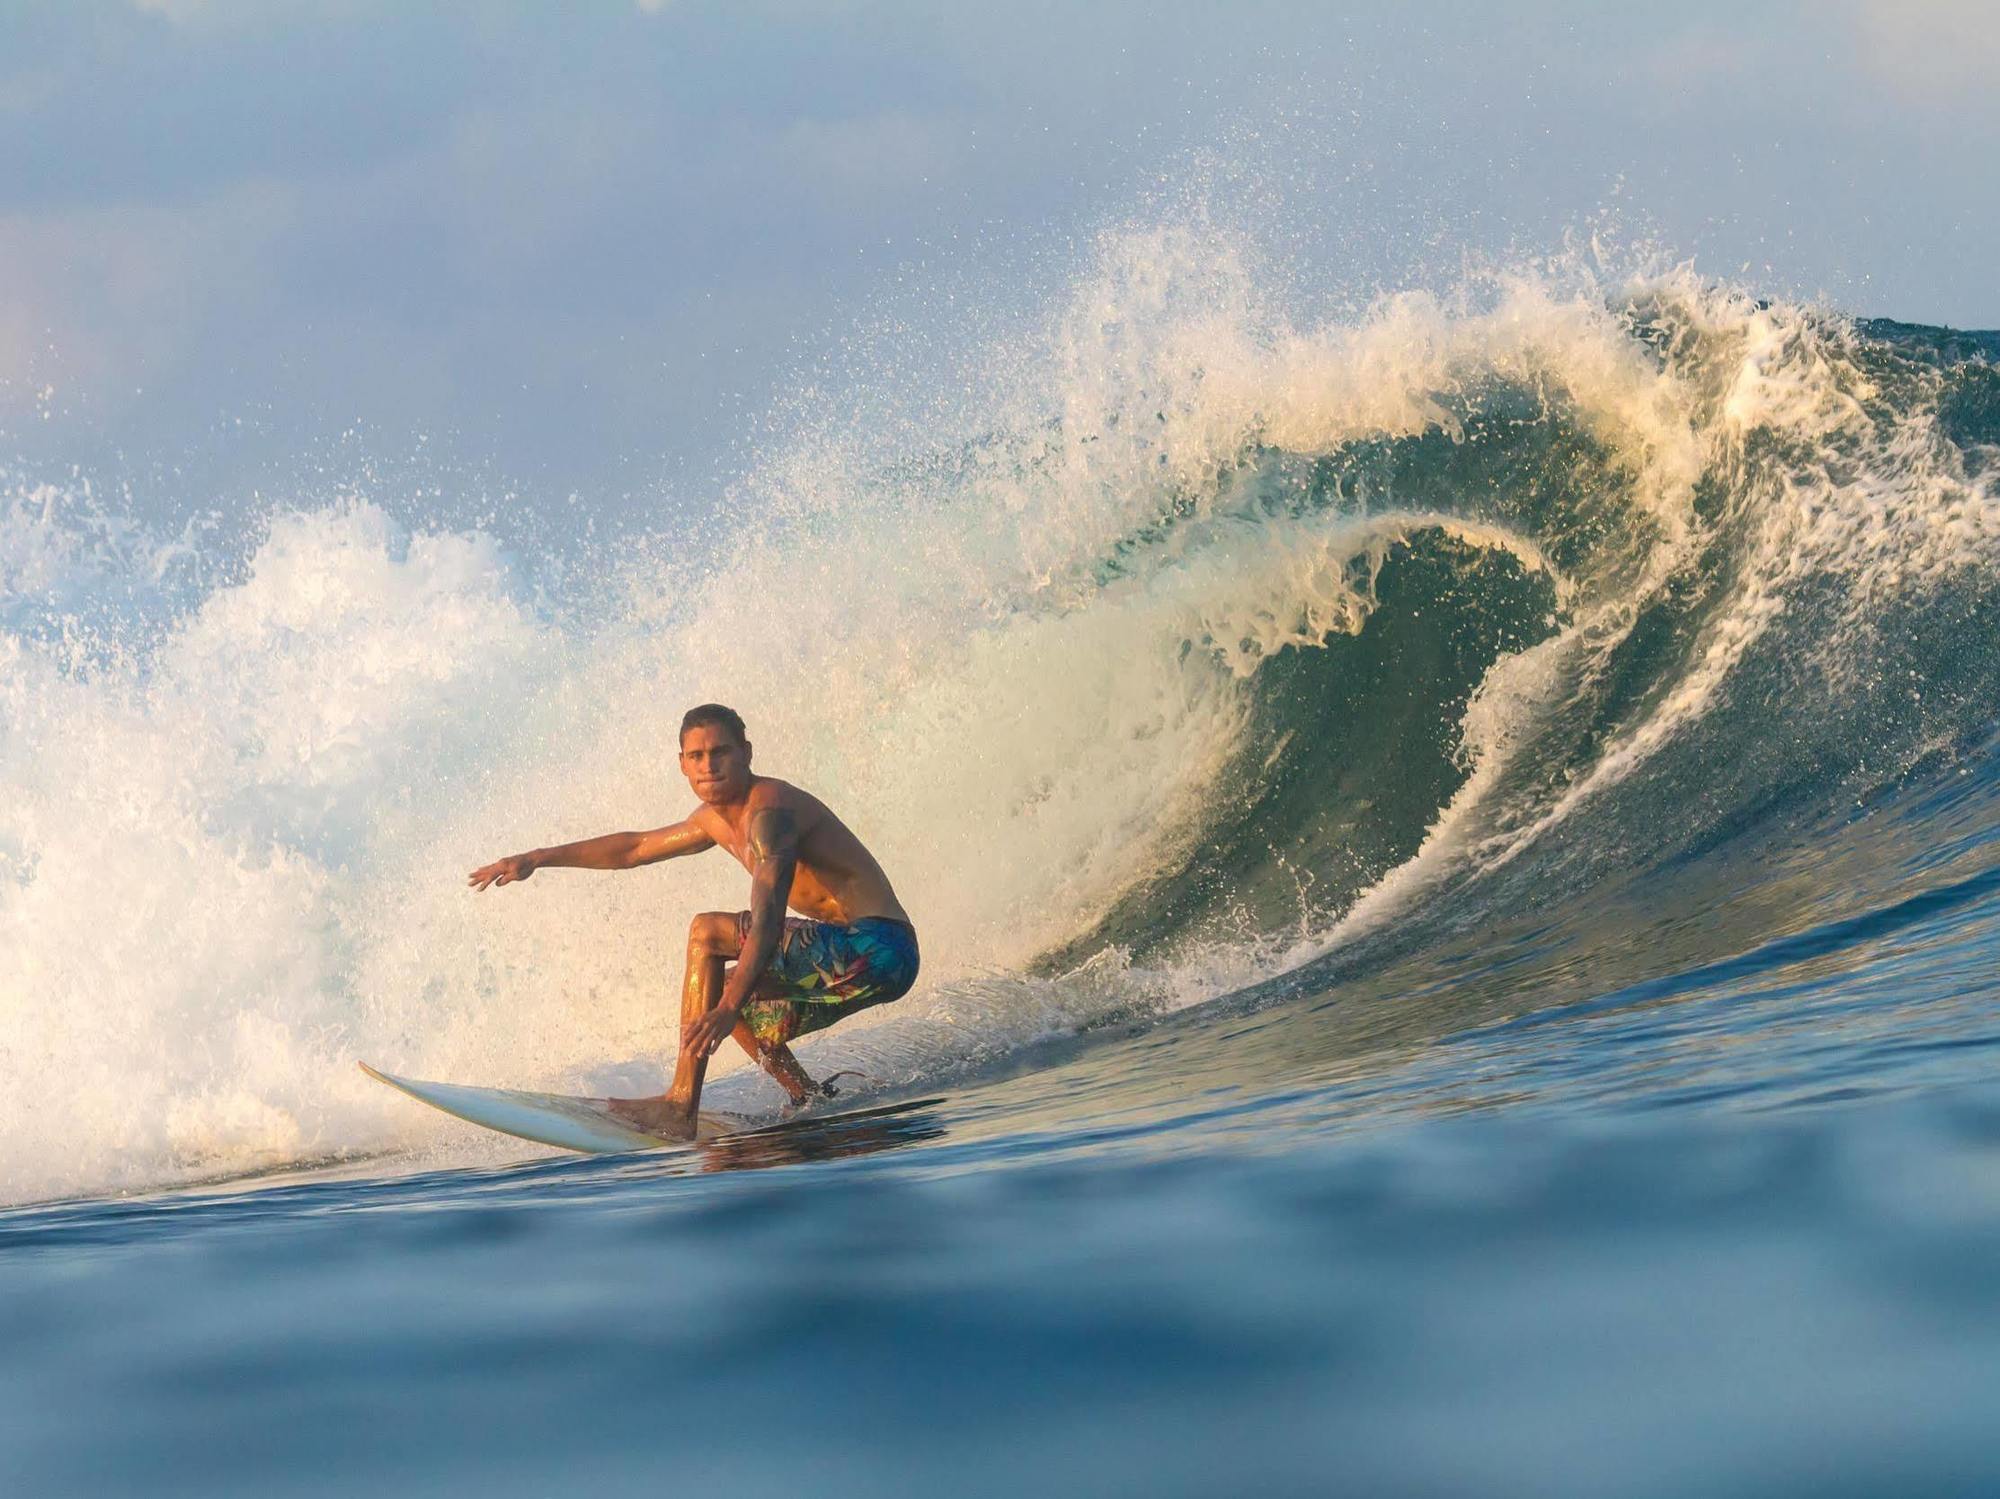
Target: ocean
(1457, 848)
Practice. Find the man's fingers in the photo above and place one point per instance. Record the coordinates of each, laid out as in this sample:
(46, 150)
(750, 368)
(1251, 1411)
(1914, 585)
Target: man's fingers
(701, 1039)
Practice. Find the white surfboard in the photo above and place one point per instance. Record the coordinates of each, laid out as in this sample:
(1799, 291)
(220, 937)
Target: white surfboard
(585, 1124)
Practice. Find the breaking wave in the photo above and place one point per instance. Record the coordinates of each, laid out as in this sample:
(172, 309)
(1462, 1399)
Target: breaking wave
(1186, 649)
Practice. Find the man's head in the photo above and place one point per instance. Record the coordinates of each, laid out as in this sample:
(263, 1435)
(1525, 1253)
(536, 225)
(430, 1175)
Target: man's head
(715, 753)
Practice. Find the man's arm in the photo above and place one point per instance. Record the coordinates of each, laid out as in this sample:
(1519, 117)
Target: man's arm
(607, 851)
(774, 850)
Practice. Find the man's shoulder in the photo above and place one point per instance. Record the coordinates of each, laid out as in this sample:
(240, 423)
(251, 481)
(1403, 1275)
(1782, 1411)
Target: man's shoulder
(773, 795)
(769, 791)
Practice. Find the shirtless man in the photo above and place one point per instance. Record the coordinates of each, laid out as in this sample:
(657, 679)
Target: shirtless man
(755, 974)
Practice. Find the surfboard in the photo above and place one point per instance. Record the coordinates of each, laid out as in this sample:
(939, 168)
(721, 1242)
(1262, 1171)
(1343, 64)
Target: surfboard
(582, 1124)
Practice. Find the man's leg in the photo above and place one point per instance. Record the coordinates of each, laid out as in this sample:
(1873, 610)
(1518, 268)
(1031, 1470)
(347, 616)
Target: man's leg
(777, 1059)
(712, 941)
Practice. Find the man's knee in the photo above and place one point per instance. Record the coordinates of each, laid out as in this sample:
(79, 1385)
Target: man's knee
(714, 932)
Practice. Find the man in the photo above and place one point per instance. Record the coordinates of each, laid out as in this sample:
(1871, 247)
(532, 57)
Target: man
(855, 948)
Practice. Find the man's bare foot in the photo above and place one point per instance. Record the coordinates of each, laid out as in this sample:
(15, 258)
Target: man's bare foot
(812, 1093)
(655, 1116)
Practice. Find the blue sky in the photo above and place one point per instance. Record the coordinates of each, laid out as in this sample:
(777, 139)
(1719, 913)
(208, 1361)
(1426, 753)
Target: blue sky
(587, 247)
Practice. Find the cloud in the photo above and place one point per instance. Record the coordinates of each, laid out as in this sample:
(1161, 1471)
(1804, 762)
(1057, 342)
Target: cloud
(174, 10)
(1703, 57)
(875, 153)
(105, 297)
(1931, 52)
(24, 93)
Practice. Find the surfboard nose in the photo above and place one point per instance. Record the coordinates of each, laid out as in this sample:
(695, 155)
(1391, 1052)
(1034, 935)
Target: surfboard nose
(581, 1124)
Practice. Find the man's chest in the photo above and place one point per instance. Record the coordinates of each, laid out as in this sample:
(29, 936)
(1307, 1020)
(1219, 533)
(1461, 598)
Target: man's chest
(734, 839)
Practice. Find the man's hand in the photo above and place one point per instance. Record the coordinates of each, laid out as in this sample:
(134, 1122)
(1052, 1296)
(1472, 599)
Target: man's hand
(503, 871)
(710, 1031)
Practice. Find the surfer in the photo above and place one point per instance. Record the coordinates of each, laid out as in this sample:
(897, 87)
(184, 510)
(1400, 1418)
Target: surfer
(756, 974)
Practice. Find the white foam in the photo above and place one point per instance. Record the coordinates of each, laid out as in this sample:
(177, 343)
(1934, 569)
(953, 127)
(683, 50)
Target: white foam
(232, 855)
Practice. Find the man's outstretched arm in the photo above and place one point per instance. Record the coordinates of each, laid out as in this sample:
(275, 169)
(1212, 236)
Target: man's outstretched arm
(774, 846)
(607, 851)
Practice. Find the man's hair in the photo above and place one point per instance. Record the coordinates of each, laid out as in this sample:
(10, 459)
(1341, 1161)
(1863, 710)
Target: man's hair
(715, 716)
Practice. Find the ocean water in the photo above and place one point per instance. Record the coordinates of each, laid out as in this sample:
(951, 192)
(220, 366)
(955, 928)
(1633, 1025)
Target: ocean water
(1458, 852)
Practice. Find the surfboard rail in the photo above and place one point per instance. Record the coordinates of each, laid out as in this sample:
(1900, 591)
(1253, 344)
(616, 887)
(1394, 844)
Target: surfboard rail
(586, 1125)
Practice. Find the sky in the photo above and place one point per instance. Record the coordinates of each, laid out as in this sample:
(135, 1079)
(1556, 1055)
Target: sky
(591, 248)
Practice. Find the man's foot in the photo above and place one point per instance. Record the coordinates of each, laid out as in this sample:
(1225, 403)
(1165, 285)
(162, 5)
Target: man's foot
(813, 1092)
(660, 1116)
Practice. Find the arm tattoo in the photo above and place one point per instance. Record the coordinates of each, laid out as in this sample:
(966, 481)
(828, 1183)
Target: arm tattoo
(774, 834)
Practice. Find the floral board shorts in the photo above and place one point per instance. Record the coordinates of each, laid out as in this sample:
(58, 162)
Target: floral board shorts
(823, 972)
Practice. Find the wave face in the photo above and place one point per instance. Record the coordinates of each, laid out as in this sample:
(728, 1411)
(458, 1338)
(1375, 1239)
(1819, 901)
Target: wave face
(1181, 652)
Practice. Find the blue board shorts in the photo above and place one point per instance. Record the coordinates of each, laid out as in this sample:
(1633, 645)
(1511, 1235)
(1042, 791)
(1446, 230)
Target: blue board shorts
(823, 972)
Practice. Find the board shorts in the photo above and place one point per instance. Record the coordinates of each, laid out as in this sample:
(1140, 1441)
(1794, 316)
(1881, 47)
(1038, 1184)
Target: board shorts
(823, 972)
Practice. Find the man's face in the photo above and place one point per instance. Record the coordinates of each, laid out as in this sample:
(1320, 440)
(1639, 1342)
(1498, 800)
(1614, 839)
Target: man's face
(716, 763)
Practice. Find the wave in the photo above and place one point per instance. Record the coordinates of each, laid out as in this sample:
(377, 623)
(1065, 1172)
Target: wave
(1182, 647)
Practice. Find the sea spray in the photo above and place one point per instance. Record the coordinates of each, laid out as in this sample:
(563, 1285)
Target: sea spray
(1200, 646)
